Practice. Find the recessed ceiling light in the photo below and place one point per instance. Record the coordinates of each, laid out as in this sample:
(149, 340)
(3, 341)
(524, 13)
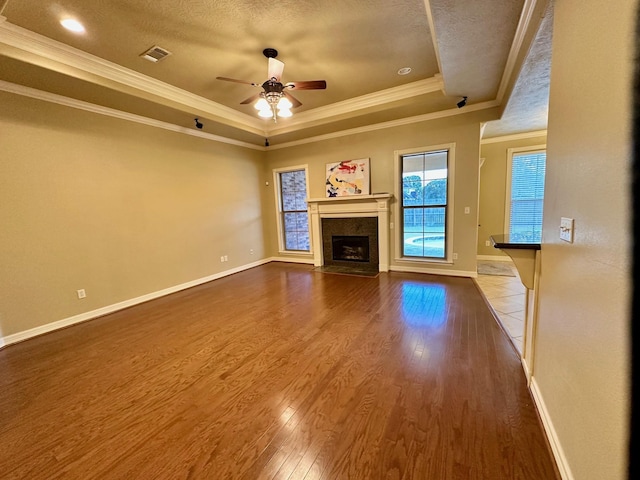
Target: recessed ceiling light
(404, 71)
(72, 25)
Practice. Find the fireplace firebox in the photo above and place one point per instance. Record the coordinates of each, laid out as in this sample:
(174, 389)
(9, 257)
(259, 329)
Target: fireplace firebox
(350, 248)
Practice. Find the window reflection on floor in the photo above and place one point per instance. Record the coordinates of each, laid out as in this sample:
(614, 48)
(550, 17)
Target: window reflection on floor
(424, 304)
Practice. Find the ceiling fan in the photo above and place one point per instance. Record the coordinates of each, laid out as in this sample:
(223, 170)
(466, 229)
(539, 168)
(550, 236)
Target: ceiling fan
(275, 101)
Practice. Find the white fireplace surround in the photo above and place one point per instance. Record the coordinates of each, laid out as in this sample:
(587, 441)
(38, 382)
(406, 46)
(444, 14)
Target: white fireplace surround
(376, 205)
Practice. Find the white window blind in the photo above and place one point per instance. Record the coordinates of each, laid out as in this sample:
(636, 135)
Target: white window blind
(527, 196)
(293, 209)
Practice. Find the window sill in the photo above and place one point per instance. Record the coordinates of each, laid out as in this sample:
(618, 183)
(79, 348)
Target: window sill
(423, 261)
(296, 253)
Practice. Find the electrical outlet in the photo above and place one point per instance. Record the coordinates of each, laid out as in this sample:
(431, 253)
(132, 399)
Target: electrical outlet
(467, 210)
(455, 256)
(487, 243)
(251, 252)
(82, 293)
(226, 259)
(221, 258)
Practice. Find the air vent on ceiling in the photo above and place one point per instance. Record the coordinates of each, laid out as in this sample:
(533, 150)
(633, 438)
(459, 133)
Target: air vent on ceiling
(155, 54)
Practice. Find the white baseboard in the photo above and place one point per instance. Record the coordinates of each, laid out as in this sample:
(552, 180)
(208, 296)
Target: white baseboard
(433, 271)
(554, 441)
(82, 317)
(525, 367)
(495, 258)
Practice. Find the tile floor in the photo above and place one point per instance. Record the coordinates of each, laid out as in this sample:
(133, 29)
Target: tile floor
(506, 297)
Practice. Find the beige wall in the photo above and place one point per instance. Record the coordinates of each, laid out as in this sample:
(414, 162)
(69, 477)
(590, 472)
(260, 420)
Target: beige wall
(379, 146)
(493, 179)
(582, 362)
(114, 207)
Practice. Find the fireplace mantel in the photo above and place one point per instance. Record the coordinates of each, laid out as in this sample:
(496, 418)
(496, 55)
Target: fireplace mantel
(376, 205)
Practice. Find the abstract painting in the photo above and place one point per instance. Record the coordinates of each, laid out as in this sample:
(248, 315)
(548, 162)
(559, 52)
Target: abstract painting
(349, 177)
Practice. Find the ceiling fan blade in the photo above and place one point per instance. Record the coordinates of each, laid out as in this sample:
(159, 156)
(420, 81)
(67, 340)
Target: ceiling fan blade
(251, 99)
(275, 68)
(308, 85)
(227, 79)
(294, 101)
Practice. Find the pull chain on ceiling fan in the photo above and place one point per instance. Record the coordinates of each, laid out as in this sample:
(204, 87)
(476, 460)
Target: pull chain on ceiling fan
(274, 101)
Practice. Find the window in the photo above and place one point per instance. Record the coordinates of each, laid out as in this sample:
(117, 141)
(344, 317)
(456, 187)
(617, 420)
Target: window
(424, 204)
(293, 220)
(526, 195)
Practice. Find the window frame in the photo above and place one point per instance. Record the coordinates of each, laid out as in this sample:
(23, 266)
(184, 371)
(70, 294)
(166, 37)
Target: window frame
(398, 238)
(533, 149)
(280, 212)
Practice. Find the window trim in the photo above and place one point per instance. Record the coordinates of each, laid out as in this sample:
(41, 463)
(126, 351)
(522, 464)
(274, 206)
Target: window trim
(507, 194)
(450, 210)
(278, 197)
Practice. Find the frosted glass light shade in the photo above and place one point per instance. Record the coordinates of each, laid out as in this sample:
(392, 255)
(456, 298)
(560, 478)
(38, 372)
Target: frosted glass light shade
(262, 105)
(284, 103)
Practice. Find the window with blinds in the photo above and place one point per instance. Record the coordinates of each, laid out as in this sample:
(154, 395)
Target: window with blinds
(527, 196)
(293, 219)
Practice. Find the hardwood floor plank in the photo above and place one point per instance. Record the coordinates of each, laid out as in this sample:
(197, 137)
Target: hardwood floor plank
(278, 372)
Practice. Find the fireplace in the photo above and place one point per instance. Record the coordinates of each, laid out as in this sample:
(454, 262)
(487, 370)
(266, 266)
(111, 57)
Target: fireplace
(350, 242)
(350, 248)
(353, 216)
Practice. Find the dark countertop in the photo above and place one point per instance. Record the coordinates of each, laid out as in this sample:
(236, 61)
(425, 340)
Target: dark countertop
(504, 241)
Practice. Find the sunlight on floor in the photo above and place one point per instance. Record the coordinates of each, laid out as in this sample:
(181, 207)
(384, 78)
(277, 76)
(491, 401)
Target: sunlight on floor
(506, 297)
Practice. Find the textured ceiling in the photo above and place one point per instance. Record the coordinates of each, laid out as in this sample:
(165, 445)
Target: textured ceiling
(474, 39)
(528, 107)
(357, 46)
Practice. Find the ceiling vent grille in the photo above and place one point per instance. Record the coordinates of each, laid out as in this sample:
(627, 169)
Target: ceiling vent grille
(155, 54)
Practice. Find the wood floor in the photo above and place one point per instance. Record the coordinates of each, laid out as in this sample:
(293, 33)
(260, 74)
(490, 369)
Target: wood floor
(278, 372)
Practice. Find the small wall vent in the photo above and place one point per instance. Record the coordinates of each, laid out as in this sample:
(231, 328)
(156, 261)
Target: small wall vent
(155, 54)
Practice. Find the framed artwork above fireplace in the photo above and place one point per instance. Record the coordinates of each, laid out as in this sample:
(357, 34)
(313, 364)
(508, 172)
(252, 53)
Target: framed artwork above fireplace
(349, 177)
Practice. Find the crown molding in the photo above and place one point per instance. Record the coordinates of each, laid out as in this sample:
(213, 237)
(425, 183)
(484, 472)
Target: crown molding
(524, 24)
(390, 124)
(111, 112)
(53, 51)
(434, 37)
(513, 137)
(326, 114)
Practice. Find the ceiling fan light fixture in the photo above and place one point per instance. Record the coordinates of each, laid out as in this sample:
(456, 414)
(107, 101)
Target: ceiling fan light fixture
(284, 104)
(262, 105)
(273, 102)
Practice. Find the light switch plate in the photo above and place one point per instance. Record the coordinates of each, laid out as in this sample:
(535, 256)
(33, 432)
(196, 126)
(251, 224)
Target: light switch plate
(566, 229)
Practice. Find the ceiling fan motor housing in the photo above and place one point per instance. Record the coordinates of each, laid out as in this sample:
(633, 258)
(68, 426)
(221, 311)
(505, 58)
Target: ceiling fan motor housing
(270, 52)
(272, 85)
